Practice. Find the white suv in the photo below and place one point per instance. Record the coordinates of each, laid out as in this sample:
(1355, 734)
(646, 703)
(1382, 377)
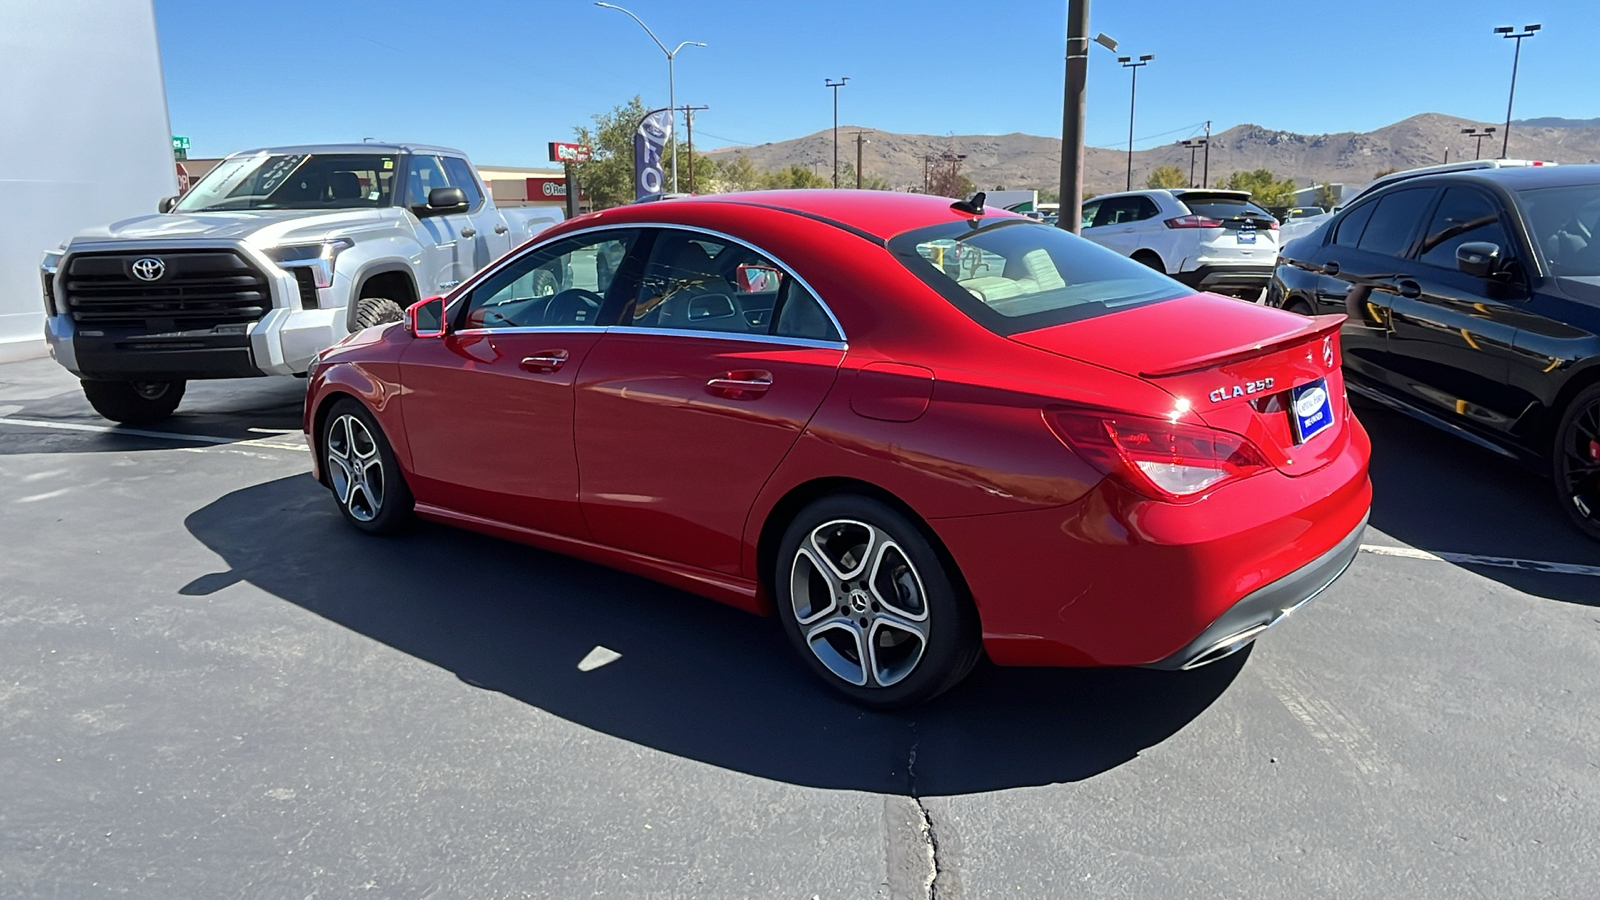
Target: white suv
(1208, 239)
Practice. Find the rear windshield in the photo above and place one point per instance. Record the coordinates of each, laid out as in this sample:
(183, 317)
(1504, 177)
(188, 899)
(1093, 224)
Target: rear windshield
(1222, 207)
(1014, 275)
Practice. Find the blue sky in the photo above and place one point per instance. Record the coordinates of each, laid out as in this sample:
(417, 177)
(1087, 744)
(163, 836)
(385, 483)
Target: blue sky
(500, 78)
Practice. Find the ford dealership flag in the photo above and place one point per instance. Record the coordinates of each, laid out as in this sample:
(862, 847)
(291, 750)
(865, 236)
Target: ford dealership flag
(648, 140)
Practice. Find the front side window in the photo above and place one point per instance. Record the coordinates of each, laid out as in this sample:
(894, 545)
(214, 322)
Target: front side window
(1463, 215)
(564, 284)
(1089, 209)
(424, 175)
(697, 282)
(1015, 275)
(295, 181)
(461, 176)
(1394, 221)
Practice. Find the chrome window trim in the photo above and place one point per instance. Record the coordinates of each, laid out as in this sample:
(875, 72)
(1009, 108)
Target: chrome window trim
(473, 282)
(732, 336)
(535, 329)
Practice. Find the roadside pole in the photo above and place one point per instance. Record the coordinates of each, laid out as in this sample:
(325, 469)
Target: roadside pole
(572, 189)
(1072, 110)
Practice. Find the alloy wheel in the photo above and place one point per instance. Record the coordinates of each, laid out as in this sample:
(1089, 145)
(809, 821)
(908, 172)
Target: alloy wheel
(860, 603)
(356, 468)
(1579, 462)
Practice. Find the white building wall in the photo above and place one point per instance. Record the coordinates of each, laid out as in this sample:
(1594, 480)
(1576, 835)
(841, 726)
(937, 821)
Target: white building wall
(85, 139)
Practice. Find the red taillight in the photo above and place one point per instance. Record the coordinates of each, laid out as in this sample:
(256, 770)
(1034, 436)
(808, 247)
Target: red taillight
(1273, 226)
(1193, 221)
(1160, 459)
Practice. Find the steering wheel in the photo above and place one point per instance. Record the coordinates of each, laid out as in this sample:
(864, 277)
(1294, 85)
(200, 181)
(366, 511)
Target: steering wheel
(573, 306)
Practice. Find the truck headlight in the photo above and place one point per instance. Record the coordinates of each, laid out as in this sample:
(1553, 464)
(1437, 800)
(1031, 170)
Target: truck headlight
(317, 257)
(48, 267)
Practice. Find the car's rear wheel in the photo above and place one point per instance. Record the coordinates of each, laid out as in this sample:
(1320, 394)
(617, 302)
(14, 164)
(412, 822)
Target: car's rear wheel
(1576, 460)
(1150, 259)
(134, 402)
(1297, 305)
(869, 605)
(362, 472)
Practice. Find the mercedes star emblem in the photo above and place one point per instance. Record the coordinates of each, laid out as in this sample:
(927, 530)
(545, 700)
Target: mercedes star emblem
(149, 268)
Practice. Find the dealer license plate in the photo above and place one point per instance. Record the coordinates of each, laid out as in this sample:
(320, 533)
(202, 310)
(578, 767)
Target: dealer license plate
(1311, 409)
(1247, 237)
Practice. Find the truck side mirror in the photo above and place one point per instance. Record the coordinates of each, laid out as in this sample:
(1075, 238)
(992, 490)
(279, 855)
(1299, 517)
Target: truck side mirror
(166, 204)
(1479, 259)
(425, 318)
(444, 200)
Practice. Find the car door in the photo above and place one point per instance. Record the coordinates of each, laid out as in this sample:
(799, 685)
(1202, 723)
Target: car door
(1363, 266)
(490, 238)
(1117, 222)
(489, 407)
(446, 255)
(1451, 335)
(687, 406)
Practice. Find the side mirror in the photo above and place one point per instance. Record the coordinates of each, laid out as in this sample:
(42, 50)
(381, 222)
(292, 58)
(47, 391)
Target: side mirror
(1479, 259)
(425, 318)
(166, 204)
(444, 200)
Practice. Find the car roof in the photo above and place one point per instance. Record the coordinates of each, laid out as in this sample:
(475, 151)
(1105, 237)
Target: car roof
(367, 147)
(880, 214)
(1524, 177)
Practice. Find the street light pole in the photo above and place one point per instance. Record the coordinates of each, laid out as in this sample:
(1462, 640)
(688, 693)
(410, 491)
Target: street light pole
(1506, 31)
(835, 85)
(1133, 97)
(672, 92)
(1194, 144)
(1479, 134)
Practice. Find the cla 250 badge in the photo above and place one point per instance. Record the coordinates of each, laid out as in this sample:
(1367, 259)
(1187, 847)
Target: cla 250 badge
(1241, 390)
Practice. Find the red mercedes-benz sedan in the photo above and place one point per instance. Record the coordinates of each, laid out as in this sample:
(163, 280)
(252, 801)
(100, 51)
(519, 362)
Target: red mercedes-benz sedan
(915, 430)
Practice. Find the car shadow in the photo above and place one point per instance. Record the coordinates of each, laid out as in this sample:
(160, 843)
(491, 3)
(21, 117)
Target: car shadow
(695, 679)
(1442, 494)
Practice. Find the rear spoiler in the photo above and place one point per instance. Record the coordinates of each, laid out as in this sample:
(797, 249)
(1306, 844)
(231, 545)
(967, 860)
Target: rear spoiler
(1310, 330)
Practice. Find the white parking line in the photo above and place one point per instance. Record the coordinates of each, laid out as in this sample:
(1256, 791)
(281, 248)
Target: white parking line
(160, 435)
(1473, 559)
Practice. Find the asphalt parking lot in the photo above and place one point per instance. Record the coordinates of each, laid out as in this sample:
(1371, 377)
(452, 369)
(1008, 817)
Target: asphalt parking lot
(211, 687)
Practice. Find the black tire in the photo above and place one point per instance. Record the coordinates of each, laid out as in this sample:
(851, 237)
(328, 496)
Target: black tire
(371, 311)
(1575, 460)
(1298, 305)
(134, 402)
(1150, 259)
(361, 470)
(852, 625)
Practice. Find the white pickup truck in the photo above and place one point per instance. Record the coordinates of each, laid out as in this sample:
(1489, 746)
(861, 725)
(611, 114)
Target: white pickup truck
(274, 256)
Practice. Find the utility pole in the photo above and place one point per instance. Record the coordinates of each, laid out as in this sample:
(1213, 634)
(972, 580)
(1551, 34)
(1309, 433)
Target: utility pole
(1505, 31)
(1133, 97)
(1072, 109)
(835, 85)
(860, 139)
(688, 121)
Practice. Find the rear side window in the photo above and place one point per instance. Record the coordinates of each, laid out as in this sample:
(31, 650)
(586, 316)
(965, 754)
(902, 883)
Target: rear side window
(1120, 210)
(1352, 224)
(1014, 275)
(1463, 215)
(1394, 221)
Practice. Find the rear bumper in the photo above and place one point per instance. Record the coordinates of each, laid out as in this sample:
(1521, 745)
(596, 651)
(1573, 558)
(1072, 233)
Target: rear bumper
(1227, 277)
(1261, 609)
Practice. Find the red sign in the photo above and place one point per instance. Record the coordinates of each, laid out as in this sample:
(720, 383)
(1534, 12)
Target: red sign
(183, 179)
(576, 153)
(551, 189)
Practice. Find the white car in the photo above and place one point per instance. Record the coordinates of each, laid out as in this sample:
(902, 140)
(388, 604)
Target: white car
(1208, 239)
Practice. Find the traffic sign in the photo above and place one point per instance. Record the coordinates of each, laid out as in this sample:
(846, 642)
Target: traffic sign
(179, 142)
(564, 152)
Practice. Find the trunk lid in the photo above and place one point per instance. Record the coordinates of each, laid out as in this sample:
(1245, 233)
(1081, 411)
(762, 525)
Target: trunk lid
(1237, 365)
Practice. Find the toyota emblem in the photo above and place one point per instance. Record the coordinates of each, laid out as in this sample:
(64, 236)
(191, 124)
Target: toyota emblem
(149, 268)
(1327, 352)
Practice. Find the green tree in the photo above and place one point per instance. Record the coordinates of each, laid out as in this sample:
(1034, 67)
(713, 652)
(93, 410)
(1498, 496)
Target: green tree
(1049, 195)
(1264, 187)
(608, 175)
(1382, 172)
(736, 173)
(1326, 198)
(847, 178)
(794, 177)
(1166, 177)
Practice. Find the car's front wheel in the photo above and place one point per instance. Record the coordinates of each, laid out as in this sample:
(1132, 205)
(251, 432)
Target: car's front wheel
(362, 472)
(869, 605)
(134, 402)
(1577, 461)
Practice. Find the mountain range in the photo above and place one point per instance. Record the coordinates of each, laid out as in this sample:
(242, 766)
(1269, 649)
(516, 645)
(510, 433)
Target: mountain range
(1029, 161)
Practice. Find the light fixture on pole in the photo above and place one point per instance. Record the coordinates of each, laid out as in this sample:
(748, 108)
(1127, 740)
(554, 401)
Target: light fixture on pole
(1193, 145)
(1506, 31)
(672, 93)
(1128, 62)
(835, 85)
(1479, 134)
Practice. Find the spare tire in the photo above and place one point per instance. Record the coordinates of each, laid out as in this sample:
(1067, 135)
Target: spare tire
(372, 311)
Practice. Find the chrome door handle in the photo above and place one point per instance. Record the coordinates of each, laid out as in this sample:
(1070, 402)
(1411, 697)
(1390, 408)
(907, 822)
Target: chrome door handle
(447, 285)
(545, 361)
(1407, 288)
(740, 385)
(469, 232)
(501, 229)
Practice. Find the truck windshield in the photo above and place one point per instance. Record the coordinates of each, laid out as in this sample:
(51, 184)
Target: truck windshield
(295, 181)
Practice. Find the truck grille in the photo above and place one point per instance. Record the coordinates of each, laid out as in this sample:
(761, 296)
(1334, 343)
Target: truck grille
(196, 289)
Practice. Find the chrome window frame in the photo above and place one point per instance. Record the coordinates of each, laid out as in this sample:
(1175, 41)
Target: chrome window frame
(471, 284)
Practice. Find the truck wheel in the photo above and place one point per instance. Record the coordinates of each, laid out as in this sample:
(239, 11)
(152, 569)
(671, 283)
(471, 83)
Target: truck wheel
(372, 311)
(134, 402)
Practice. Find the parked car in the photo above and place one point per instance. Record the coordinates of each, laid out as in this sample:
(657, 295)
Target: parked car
(1474, 305)
(272, 257)
(913, 429)
(1301, 227)
(1213, 240)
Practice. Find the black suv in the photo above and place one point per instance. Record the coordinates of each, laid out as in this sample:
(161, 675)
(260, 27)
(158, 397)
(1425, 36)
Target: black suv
(1474, 304)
